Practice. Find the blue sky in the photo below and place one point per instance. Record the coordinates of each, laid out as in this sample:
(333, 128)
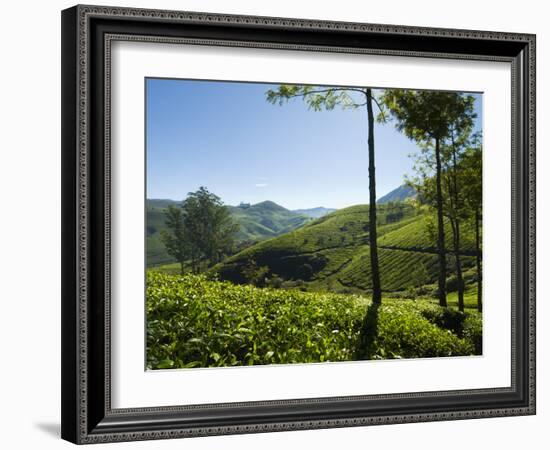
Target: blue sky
(227, 137)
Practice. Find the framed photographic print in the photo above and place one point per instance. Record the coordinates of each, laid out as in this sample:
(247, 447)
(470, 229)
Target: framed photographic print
(280, 224)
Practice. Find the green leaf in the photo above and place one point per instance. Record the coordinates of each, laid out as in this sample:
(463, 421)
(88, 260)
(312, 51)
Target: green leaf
(165, 364)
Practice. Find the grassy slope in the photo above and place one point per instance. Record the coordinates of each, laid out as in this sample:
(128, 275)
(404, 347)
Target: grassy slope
(257, 222)
(264, 220)
(336, 246)
(193, 322)
(156, 252)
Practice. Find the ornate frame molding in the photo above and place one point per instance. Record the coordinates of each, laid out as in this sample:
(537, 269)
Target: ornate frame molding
(84, 421)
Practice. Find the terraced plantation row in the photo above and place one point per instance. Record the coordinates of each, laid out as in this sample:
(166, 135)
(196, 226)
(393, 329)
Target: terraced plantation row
(332, 253)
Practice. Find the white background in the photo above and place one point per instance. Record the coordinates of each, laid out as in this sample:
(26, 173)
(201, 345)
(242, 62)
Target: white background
(30, 225)
(133, 387)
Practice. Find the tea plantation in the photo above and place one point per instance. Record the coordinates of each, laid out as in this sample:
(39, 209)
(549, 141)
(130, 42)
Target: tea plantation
(196, 322)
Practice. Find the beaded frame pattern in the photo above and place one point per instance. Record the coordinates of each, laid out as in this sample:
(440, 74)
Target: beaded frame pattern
(84, 13)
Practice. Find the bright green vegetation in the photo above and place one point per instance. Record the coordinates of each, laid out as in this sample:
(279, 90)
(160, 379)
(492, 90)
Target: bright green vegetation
(196, 322)
(420, 234)
(265, 219)
(256, 222)
(333, 254)
(397, 278)
(156, 252)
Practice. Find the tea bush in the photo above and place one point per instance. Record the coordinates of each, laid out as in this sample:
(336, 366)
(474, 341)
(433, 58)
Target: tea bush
(195, 322)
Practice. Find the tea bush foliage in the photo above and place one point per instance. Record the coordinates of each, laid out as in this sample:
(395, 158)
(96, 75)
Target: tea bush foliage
(196, 322)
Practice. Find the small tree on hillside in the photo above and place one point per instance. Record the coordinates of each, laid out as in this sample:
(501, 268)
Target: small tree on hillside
(456, 186)
(200, 230)
(209, 226)
(472, 173)
(427, 117)
(174, 237)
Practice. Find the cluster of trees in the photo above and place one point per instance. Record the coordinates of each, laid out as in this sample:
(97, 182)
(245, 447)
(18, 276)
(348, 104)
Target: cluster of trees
(395, 211)
(461, 194)
(200, 231)
(441, 123)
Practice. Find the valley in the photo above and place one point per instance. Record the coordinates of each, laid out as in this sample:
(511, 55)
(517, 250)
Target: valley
(332, 253)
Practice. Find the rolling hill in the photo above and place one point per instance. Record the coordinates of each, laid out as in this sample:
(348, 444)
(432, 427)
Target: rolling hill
(257, 222)
(315, 213)
(264, 220)
(332, 253)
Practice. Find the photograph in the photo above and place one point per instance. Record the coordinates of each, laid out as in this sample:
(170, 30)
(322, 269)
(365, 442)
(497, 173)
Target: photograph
(333, 216)
(289, 223)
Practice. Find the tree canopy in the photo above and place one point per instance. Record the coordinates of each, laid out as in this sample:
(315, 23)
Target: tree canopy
(201, 230)
(430, 118)
(426, 115)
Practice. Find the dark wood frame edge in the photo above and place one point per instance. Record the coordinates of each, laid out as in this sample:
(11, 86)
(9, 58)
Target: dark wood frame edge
(86, 413)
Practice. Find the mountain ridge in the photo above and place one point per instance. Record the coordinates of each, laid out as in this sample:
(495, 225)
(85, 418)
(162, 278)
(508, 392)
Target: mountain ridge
(316, 212)
(257, 222)
(398, 194)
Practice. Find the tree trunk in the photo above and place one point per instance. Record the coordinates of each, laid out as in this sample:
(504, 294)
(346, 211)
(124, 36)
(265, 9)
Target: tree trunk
(478, 262)
(375, 271)
(440, 229)
(456, 232)
(458, 265)
(181, 267)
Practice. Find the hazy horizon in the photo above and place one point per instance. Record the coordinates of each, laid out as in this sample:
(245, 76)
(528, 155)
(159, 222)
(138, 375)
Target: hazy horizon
(269, 200)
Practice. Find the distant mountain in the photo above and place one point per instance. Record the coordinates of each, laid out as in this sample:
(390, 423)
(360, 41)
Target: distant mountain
(264, 220)
(257, 222)
(398, 195)
(315, 213)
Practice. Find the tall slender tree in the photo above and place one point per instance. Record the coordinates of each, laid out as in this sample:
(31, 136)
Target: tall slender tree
(455, 207)
(472, 172)
(427, 117)
(327, 98)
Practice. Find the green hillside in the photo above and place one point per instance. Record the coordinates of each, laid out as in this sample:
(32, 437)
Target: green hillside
(156, 253)
(399, 194)
(264, 220)
(332, 253)
(315, 213)
(196, 322)
(256, 222)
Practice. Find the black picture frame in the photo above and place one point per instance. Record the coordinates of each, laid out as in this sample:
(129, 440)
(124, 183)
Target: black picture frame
(87, 416)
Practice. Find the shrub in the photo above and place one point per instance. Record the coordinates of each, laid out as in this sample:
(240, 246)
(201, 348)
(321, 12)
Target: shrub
(305, 272)
(449, 319)
(275, 282)
(195, 322)
(410, 292)
(317, 262)
(473, 330)
(403, 332)
(254, 274)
